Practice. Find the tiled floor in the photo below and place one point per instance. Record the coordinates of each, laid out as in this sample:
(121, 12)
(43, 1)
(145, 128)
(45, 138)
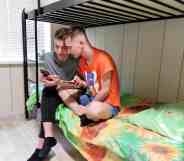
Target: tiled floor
(18, 139)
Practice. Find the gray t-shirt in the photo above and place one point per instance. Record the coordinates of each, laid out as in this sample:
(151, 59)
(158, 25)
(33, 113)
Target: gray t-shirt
(65, 70)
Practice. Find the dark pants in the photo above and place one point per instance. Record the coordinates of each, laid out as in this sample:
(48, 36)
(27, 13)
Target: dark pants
(49, 103)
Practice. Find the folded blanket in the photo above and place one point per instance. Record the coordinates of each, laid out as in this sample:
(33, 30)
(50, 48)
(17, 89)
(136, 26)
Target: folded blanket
(166, 119)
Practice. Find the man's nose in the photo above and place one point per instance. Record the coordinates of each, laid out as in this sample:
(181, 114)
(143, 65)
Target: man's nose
(68, 43)
(68, 51)
(59, 50)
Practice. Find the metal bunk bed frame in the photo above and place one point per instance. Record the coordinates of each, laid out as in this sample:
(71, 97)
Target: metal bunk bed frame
(94, 13)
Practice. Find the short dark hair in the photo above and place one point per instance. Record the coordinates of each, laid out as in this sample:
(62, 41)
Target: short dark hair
(76, 30)
(62, 33)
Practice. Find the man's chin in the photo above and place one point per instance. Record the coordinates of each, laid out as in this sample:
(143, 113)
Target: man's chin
(76, 56)
(62, 57)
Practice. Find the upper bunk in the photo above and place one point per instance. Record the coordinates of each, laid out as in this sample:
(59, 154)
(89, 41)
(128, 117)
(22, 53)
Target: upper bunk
(93, 13)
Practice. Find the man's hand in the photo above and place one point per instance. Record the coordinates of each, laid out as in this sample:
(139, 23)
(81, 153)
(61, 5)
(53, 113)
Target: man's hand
(80, 110)
(50, 80)
(79, 82)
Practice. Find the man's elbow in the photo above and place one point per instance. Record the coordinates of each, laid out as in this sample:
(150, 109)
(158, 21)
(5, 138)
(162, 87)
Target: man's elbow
(106, 92)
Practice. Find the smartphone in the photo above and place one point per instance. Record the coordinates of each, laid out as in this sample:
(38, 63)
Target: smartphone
(69, 82)
(44, 72)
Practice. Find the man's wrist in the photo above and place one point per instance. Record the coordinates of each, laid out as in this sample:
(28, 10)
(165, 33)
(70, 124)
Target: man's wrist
(59, 82)
(84, 84)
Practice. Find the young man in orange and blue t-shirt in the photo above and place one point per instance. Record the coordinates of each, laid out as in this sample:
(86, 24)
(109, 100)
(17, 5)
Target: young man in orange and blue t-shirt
(100, 75)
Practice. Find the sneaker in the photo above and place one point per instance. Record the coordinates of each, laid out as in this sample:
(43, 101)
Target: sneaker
(34, 156)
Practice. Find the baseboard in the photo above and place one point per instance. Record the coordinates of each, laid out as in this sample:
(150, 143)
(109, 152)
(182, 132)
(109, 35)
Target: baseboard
(12, 116)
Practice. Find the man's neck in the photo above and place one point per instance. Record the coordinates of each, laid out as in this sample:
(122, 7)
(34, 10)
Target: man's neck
(89, 54)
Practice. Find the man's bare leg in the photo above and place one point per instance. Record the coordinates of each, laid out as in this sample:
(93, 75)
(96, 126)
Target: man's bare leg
(95, 110)
(49, 140)
(69, 98)
(48, 129)
(98, 111)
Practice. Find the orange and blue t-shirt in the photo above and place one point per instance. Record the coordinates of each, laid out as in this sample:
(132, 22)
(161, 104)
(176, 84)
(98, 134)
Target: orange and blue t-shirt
(93, 73)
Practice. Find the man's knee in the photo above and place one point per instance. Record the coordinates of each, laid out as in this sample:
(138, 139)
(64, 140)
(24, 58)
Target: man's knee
(48, 91)
(45, 91)
(93, 111)
(99, 110)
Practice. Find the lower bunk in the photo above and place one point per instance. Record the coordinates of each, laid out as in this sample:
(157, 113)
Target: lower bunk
(142, 131)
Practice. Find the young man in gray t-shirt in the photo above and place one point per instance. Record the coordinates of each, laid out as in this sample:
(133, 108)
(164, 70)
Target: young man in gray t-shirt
(64, 69)
(61, 66)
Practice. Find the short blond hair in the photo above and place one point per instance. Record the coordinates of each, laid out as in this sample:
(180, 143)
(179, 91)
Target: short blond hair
(62, 33)
(77, 30)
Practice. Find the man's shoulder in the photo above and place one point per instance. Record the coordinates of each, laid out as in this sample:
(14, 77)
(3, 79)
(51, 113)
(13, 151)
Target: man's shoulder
(102, 55)
(48, 56)
(72, 59)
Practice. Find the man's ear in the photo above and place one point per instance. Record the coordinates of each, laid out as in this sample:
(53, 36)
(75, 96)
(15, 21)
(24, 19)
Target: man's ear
(81, 43)
(82, 46)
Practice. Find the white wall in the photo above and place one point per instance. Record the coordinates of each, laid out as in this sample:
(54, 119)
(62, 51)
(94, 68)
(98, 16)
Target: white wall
(12, 93)
(10, 33)
(149, 56)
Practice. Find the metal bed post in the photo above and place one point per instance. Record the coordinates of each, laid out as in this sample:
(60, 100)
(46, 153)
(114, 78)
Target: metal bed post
(38, 6)
(25, 64)
(36, 57)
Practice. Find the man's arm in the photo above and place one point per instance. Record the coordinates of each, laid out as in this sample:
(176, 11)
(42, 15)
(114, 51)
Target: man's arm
(104, 92)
